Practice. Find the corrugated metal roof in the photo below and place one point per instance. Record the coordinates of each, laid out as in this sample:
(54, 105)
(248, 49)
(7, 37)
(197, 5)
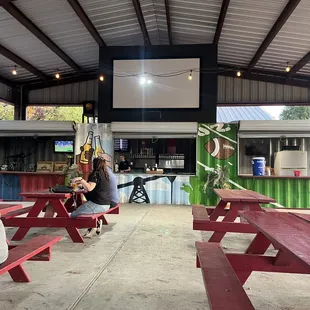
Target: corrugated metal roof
(230, 114)
(292, 42)
(194, 21)
(116, 21)
(59, 22)
(246, 25)
(21, 42)
(155, 19)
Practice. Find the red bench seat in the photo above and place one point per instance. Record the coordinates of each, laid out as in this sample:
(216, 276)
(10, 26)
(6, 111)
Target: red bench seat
(222, 285)
(27, 251)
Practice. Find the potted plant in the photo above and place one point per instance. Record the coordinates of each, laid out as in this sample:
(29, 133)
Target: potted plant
(72, 172)
(217, 178)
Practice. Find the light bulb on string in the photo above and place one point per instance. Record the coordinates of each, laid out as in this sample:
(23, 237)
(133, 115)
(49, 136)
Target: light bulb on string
(101, 78)
(142, 80)
(288, 68)
(238, 73)
(57, 75)
(14, 71)
(190, 77)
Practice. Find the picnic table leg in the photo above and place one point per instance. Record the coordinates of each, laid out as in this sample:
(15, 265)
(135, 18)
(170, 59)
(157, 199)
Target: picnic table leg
(34, 212)
(49, 212)
(259, 245)
(62, 212)
(218, 211)
(231, 215)
(19, 274)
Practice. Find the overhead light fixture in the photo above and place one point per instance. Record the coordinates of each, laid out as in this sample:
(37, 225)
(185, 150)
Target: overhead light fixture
(288, 68)
(142, 80)
(101, 78)
(14, 71)
(149, 81)
(57, 75)
(238, 73)
(190, 77)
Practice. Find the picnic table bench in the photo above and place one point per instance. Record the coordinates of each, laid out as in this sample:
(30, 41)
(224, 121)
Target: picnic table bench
(55, 215)
(37, 249)
(290, 234)
(237, 200)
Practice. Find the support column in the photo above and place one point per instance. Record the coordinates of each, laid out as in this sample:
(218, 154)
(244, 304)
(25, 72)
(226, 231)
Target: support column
(20, 100)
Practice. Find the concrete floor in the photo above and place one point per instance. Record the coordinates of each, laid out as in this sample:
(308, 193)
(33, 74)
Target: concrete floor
(145, 259)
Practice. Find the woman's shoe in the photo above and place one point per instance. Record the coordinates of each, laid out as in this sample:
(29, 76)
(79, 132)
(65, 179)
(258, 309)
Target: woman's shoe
(99, 227)
(89, 233)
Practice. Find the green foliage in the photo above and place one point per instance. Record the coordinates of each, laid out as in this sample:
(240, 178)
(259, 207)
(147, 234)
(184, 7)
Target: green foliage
(295, 113)
(6, 112)
(54, 113)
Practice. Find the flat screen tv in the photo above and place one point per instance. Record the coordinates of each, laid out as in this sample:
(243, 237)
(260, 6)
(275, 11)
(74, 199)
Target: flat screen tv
(64, 146)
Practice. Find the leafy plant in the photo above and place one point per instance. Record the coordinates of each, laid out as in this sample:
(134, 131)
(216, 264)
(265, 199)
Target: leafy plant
(218, 178)
(73, 171)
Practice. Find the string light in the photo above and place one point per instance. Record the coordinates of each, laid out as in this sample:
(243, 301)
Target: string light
(238, 73)
(14, 71)
(288, 68)
(57, 75)
(101, 78)
(190, 77)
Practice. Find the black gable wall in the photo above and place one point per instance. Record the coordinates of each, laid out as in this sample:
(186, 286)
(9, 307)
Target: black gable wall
(208, 84)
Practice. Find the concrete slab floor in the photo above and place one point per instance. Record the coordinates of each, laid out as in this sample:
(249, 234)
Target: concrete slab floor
(144, 259)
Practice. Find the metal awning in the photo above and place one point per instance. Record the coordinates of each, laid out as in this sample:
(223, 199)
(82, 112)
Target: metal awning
(36, 128)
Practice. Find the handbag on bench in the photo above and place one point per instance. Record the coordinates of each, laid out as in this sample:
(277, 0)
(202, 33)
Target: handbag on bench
(61, 189)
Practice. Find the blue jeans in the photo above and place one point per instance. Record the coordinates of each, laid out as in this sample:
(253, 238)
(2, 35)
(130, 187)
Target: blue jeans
(89, 207)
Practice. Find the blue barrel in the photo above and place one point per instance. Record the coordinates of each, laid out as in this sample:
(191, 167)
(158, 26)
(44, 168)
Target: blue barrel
(258, 164)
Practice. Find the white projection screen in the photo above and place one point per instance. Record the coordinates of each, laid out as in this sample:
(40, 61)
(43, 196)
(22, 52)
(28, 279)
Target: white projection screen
(164, 92)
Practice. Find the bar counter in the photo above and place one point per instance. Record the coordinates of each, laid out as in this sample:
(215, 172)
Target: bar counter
(153, 188)
(14, 182)
(272, 177)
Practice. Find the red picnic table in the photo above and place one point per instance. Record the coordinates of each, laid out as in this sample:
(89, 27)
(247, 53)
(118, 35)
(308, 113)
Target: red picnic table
(206, 218)
(37, 249)
(53, 204)
(289, 233)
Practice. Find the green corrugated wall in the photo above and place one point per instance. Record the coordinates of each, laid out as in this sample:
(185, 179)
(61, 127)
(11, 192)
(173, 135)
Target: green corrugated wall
(290, 193)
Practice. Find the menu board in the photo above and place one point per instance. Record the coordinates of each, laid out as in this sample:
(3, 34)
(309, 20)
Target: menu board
(121, 145)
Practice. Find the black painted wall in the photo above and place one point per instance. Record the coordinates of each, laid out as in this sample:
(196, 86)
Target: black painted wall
(208, 84)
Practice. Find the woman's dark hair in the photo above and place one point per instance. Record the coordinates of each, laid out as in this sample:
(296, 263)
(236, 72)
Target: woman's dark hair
(101, 164)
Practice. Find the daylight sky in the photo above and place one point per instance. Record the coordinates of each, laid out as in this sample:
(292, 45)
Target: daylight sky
(274, 111)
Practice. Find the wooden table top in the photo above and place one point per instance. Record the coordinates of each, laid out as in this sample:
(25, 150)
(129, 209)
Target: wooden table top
(45, 193)
(6, 208)
(305, 217)
(233, 195)
(286, 231)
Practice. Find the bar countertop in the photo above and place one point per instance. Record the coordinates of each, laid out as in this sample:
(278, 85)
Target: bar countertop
(30, 173)
(271, 177)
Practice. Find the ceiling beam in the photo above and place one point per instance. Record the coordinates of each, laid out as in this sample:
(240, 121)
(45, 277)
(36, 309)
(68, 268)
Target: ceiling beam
(27, 23)
(167, 7)
(6, 82)
(264, 76)
(63, 81)
(137, 6)
(220, 21)
(2, 2)
(22, 63)
(299, 65)
(286, 13)
(79, 11)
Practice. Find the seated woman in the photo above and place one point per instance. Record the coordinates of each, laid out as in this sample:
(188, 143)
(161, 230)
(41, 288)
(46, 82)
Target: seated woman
(98, 197)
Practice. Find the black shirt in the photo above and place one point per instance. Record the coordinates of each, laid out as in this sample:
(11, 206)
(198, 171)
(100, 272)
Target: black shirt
(100, 194)
(123, 165)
